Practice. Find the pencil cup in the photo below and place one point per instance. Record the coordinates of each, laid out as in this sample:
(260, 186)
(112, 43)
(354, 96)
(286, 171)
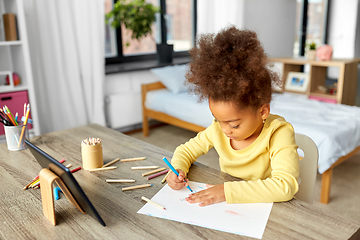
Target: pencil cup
(12, 135)
(92, 155)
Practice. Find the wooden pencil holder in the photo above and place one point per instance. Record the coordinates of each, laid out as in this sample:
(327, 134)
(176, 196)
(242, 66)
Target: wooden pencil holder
(47, 179)
(92, 156)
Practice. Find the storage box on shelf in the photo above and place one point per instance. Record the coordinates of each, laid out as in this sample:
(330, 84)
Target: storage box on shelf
(15, 102)
(15, 58)
(346, 81)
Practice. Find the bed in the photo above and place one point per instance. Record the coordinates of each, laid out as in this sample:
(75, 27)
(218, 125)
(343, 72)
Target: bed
(335, 128)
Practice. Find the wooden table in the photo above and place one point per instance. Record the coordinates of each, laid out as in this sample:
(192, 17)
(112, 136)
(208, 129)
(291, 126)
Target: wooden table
(21, 215)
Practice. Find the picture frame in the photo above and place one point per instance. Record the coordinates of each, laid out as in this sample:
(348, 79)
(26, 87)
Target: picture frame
(297, 82)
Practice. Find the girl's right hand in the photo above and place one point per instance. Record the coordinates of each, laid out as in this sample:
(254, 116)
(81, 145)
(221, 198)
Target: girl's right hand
(176, 182)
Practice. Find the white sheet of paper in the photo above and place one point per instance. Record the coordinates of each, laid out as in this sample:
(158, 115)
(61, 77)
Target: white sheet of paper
(248, 219)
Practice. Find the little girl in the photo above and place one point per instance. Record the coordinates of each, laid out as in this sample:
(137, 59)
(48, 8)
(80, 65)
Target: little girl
(230, 71)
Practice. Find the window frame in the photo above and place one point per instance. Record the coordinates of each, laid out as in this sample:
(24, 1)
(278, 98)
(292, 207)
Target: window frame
(153, 56)
(303, 25)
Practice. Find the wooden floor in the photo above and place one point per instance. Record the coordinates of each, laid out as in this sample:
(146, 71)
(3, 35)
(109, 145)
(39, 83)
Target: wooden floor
(345, 194)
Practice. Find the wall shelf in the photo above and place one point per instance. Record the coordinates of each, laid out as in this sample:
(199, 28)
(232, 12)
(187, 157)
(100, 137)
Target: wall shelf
(15, 58)
(346, 82)
(10, 43)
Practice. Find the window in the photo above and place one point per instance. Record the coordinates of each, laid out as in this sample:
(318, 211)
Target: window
(110, 34)
(145, 45)
(180, 31)
(311, 24)
(179, 24)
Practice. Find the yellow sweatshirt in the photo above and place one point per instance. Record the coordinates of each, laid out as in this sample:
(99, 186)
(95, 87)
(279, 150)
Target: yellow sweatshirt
(269, 166)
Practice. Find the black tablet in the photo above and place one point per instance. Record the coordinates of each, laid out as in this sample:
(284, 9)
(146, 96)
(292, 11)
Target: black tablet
(46, 161)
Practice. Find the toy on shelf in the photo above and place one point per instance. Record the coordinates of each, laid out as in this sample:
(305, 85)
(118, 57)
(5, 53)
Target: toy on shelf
(15, 78)
(324, 52)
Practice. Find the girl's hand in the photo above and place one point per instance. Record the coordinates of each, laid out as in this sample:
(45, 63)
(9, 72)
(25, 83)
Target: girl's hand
(176, 182)
(214, 194)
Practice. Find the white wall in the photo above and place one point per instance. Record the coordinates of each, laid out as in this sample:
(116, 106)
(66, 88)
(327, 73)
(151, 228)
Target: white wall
(342, 27)
(344, 34)
(273, 21)
(357, 36)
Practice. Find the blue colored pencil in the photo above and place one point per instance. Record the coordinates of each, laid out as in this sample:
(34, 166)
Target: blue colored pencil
(173, 169)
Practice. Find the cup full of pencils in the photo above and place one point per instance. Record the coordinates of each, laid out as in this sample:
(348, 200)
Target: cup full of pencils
(91, 153)
(13, 137)
(15, 131)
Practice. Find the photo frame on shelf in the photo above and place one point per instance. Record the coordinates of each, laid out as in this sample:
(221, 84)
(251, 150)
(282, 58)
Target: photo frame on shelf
(297, 82)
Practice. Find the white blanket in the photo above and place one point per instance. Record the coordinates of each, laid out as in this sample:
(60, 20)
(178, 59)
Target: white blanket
(335, 128)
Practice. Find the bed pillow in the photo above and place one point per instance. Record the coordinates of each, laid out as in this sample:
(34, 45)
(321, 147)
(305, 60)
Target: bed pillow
(173, 77)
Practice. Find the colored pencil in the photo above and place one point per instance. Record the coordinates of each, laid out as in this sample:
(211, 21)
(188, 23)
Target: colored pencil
(4, 115)
(174, 170)
(75, 169)
(158, 174)
(91, 141)
(112, 162)
(164, 179)
(11, 116)
(1, 116)
(8, 116)
(69, 165)
(56, 193)
(102, 169)
(153, 171)
(120, 180)
(24, 127)
(153, 203)
(28, 185)
(136, 187)
(144, 167)
(4, 120)
(35, 184)
(132, 159)
(37, 177)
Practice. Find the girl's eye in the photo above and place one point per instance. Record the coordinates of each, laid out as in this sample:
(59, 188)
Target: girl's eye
(235, 127)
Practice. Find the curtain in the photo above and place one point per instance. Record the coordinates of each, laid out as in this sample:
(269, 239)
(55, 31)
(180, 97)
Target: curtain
(66, 41)
(213, 15)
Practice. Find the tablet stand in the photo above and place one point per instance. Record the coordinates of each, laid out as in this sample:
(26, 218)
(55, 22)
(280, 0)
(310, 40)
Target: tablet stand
(47, 178)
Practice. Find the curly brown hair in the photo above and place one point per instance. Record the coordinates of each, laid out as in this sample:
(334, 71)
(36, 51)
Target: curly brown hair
(231, 66)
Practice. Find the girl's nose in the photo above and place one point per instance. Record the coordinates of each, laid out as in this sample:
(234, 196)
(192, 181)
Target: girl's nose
(226, 130)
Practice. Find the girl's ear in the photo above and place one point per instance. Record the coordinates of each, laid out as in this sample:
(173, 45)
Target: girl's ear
(264, 111)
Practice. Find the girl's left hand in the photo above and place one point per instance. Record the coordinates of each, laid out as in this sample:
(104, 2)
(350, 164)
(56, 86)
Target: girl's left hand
(214, 194)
